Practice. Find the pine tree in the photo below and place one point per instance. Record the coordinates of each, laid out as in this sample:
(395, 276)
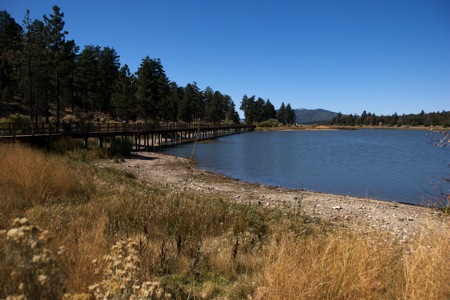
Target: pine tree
(108, 64)
(192, 106)
(232, 114)
(34, 74)
(259, 110)
(87, 78)
(169, 111)
(248, 107)
(290, 115)
(59, 55)
(152, 88)
(217, 107)
(270, 112)
(123, 96)
(281, 114)
(10, 47)
(208, 95)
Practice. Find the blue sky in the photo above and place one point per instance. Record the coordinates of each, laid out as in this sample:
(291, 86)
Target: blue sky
(383, 56)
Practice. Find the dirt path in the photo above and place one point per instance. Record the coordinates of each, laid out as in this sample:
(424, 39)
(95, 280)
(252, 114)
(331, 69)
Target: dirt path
(401, 220)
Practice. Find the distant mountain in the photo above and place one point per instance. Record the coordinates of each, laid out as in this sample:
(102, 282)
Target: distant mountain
(310, 116)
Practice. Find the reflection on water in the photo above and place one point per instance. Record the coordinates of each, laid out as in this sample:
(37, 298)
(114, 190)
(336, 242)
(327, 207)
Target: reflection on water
(395, 165)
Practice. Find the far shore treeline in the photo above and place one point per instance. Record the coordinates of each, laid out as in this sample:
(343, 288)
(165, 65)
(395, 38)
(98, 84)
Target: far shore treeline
(441, 119)
(56, 82)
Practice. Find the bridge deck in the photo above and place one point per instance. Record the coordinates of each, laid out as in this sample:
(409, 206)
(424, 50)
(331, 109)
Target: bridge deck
(144, 136)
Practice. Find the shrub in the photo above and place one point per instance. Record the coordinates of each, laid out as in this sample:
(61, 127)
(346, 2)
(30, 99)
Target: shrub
(20, 122)
(123, 278)
(445, 124)
(64, 144)
(69, 119)
(28, 267)
(121, 147)
(268, 123)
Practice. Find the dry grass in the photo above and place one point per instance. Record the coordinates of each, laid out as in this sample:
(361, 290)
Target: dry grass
(31, 178)
(338, 266)
(348, 265)
(427, 267)
(201, 246)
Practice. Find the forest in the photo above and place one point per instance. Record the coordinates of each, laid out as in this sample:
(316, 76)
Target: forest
(369, 119)
(56, 81)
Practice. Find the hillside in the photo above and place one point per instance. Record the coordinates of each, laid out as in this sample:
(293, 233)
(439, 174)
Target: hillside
(308, 116)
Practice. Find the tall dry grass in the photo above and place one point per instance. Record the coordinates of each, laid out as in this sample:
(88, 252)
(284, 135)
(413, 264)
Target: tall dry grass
(348, 265)
(427, 267)
(30, 178)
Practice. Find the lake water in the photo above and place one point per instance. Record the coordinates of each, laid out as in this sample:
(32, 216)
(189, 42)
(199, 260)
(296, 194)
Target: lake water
(393, 165)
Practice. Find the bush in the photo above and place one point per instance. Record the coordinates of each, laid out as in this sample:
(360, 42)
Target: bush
(65, 144)
(67, 119)
(268, 123)
(123, 276)
(121, 147)
(20, 122)
(28, 268)
(446, 124)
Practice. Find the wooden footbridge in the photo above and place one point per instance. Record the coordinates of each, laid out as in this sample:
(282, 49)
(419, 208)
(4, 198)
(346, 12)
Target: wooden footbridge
(144, 137)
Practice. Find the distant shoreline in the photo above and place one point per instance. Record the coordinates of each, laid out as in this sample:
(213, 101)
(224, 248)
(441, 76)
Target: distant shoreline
(327, 127)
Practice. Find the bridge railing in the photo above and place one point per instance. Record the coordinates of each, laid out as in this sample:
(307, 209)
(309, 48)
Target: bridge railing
(79, 128)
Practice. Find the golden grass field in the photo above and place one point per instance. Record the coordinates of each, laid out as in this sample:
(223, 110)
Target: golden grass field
(71, 229)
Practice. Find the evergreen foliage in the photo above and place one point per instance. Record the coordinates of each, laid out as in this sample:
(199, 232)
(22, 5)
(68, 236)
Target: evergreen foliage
(123, 97)
(49, 74)
(369, 119)
(260, 110)
(281, 114)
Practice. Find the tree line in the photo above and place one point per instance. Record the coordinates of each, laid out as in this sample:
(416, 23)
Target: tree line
(256, 111)
(369, 119)
(51, 76)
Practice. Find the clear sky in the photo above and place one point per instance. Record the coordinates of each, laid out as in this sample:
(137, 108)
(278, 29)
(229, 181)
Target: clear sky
(382, 56)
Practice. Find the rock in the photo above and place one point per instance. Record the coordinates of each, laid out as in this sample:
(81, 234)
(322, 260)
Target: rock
(337, 207)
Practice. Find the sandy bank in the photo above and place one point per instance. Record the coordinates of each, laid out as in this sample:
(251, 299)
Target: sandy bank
(401, 220)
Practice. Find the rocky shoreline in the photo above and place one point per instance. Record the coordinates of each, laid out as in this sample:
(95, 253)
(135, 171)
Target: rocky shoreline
(402, 221)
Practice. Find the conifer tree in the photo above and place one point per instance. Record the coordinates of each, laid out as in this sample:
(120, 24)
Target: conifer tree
(152, 88)
(60, 54)
(281, 114)
(290, 115)
(259, 110)
(10, 47)
(248, 107)
(108, 63)
(124, 95)
(270, 112)
(34, 74)
(87, 78)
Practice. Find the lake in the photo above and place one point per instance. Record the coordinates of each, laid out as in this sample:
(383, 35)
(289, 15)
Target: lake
(392, 165)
